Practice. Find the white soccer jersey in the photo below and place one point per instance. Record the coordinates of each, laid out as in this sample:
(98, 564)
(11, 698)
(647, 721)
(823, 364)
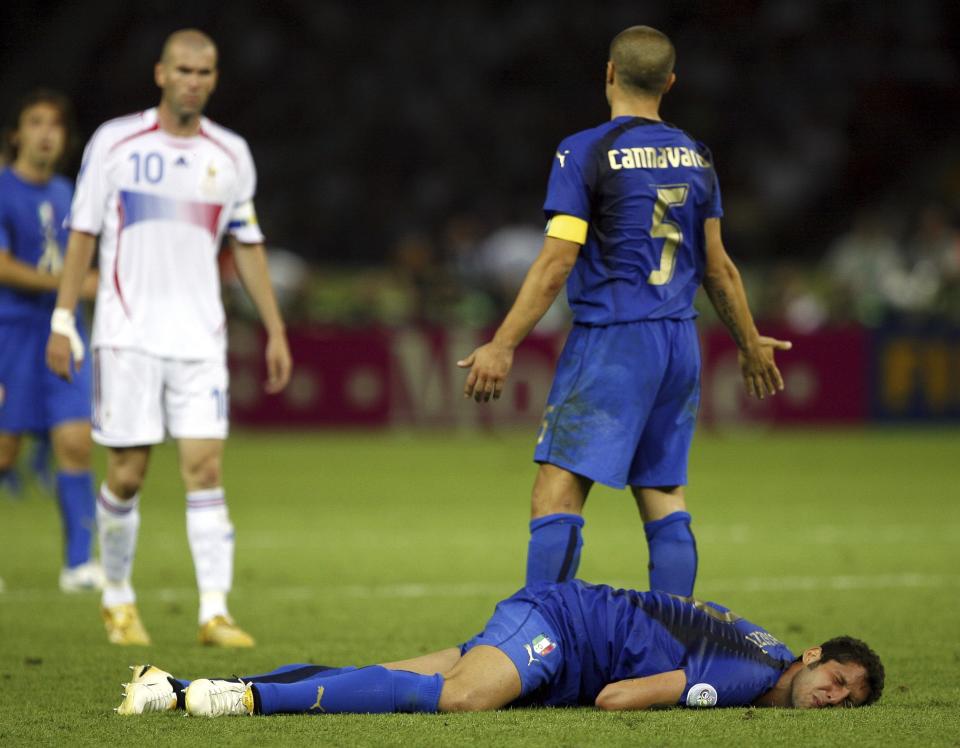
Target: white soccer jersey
(161, 205)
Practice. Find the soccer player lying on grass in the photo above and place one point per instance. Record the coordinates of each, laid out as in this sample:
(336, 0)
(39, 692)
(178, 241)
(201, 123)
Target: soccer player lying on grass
(565, 644)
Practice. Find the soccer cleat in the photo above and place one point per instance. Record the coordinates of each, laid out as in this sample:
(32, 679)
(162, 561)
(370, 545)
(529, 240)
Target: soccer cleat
(83, 578)
(222, 631)
(149, 691)
(218, 698)
(123, 625)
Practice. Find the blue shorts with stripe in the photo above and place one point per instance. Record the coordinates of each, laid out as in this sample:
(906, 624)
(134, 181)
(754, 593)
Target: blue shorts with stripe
(33, 398)
(624, 403)
(519, 630)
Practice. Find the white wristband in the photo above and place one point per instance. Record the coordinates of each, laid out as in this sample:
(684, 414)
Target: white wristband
(63, 323)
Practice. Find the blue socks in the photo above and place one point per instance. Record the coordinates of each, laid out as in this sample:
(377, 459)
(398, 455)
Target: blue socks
(77, 509)
(369, 690)
(673, 554)
(553, 554)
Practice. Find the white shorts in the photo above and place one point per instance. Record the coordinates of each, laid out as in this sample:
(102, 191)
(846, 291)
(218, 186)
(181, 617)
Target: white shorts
(136, 396)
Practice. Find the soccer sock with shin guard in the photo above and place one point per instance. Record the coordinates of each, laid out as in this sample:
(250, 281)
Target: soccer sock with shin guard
(369, 690)
(118, 523)
(77, 507)
(553, 553)
(673, 554)
(211, 543)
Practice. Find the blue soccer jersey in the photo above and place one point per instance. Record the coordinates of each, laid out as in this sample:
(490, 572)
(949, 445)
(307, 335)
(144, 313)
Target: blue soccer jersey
(635, 193)
(32, 398)
(32, 230)
(570, 640)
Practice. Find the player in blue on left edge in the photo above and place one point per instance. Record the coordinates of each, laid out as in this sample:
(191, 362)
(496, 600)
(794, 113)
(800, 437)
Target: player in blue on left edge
(34, 201)
(565, 644)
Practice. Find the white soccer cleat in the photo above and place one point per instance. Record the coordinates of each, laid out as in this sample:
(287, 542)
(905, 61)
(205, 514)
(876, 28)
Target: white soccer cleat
(149, 691)
(218, 698)
(83, 578)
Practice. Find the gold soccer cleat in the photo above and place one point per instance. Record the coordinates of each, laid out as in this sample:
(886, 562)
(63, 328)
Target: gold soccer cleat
(222, 631)
(218, 698)
(149, 691)
(123, 625)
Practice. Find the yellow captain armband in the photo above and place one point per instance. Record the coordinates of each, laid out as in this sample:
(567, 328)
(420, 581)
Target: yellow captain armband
(569, 228)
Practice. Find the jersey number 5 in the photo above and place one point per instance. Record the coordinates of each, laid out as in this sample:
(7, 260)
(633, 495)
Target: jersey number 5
(668, 196)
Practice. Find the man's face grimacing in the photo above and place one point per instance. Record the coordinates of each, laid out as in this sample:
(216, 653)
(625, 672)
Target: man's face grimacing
(819, 684)
(187, 74)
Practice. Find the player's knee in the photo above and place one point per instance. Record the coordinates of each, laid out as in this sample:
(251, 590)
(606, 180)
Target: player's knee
(125, 480)
(457, 696)
(74, 453)
(202, 474)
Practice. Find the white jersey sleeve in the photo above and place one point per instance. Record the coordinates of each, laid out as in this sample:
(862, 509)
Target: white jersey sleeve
(243, 225)
(92, 192)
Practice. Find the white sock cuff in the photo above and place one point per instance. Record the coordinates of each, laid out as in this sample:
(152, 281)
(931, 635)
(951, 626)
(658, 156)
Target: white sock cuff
(113, 504)
(208, 498)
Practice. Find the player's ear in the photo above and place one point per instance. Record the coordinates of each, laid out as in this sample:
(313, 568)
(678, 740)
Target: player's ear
(812, 655)
(611, 73)
(159, 74)
(670, 81)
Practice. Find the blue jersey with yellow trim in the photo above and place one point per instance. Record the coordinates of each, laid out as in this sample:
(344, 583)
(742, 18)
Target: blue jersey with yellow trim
(644, 189)
(608, 635)
(31, 229)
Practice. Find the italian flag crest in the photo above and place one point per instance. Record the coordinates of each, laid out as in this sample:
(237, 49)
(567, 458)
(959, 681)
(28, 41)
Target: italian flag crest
(543, 646)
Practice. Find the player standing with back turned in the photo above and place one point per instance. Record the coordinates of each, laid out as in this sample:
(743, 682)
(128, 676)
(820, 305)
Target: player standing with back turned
(633, 209)
(160, 188)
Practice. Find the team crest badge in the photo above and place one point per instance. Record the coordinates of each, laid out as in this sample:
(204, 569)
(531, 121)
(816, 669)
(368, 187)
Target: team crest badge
(543, 646)
(702, 695)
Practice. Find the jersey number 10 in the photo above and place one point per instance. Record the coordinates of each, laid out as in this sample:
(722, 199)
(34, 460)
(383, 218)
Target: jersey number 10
(668, 196)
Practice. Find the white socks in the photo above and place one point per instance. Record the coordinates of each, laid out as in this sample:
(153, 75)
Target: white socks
(211, 543)
(118, 522)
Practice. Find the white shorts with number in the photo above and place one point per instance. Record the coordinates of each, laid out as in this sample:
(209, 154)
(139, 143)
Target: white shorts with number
(136, 396)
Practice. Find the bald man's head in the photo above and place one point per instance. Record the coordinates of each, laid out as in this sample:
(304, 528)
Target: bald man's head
(190, 39)
(643, 60)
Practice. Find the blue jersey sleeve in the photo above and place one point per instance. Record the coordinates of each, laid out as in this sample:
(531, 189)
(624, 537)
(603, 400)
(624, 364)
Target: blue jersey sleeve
(714, 204)
(571, 183)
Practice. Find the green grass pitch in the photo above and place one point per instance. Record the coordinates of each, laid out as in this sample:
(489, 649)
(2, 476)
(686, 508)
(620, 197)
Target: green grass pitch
(357, 548)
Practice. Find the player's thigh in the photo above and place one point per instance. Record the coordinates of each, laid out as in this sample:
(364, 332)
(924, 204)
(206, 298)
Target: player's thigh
(201, 463)
(484, 678)
(9, 449)
(196, 399)
(597, 409)
(664, 446)
(428, 664)
(127, 398)
(72, 444)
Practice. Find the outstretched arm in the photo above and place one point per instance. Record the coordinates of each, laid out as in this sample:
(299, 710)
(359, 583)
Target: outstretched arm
(251, 260)
(490, 364)
(722, 283)
(663, 689)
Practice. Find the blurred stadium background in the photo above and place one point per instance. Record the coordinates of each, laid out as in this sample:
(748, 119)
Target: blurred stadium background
(402, 159)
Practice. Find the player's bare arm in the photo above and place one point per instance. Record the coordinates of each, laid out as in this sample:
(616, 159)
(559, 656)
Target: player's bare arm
(251, 260)
(662, 689)
(64, 347)
(18, 274)
(721, 281)
(490, 363)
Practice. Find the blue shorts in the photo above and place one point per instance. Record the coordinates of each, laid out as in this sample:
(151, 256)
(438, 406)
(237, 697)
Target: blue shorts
(624, 403)
(519, 630)
(33, 398)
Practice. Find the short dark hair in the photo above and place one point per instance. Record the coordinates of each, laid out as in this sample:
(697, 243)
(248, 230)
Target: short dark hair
(847, 649)
(43, 96)
(643, 59)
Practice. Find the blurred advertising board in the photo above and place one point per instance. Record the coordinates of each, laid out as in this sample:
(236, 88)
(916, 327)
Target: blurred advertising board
(408, 377)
